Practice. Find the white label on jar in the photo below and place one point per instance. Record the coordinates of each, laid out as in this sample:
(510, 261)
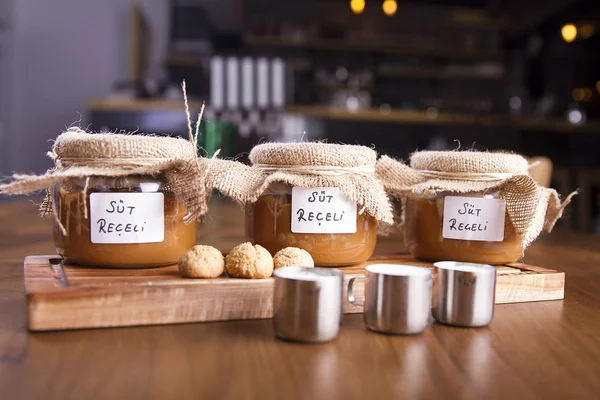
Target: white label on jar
(474, 218)
(322, 210)
(127, 217)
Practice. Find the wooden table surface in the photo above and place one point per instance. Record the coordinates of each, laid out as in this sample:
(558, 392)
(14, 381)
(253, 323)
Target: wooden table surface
(543, 350)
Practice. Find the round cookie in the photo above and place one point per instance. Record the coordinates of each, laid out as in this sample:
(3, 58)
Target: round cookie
(249, 261)
(293, 256)
(202, 262)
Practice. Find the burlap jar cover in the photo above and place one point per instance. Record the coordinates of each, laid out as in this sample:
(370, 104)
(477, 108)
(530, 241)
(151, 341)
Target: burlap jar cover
(349, 168)
(530, 207)
(78, 154)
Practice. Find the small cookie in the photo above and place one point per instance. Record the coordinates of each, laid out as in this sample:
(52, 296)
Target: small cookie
(248, 261)
(202, 262)
(292, 256)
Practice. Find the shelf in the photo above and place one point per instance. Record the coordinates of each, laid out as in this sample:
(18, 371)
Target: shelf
(330, 88)
(419, 117)
(430, 73)
(415, 117)
(370, 47)
(135, 105)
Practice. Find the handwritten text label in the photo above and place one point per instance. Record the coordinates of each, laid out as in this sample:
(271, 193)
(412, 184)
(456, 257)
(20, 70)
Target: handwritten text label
(127, 218)
(474, 218)
(322, 210)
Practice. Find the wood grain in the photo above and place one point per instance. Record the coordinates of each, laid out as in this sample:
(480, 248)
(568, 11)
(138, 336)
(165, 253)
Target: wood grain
(539, 350)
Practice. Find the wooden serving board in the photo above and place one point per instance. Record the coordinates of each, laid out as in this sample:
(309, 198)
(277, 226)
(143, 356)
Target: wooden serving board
(78, 297)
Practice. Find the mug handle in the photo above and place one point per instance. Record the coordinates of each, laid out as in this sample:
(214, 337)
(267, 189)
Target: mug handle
(350, 295)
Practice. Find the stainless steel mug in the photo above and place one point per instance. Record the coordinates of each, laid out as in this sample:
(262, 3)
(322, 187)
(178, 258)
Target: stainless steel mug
(307, 303)
(464, 293)
(397, 298)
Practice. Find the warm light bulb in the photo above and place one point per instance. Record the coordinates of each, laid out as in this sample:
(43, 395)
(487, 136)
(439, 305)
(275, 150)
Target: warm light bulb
(390, 7)
(569, 32)
(357, 6)
(578, 94)
(598, 86)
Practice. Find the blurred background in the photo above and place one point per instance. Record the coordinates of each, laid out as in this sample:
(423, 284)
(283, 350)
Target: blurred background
(400, 75)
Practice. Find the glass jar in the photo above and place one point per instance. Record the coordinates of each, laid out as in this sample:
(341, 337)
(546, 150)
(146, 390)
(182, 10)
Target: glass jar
(125, 222)
(486, 236)
(269, 224)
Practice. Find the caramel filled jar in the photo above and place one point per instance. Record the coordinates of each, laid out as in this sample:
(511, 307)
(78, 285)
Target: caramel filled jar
(120, 222)
(274, 221)
(469, 227)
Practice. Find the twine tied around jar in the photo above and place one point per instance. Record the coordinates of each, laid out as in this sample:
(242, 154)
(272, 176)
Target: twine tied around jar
(530, 207)
(80, 154)
(324, 170)
(349, 168)
(466, 176)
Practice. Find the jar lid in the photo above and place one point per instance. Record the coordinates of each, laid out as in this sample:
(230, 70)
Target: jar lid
(318, 154)
(77, 146)
(469, 162)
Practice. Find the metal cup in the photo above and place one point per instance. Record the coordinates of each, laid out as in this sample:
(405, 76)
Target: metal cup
(397, 298)
(307, 303)
(464, 293)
